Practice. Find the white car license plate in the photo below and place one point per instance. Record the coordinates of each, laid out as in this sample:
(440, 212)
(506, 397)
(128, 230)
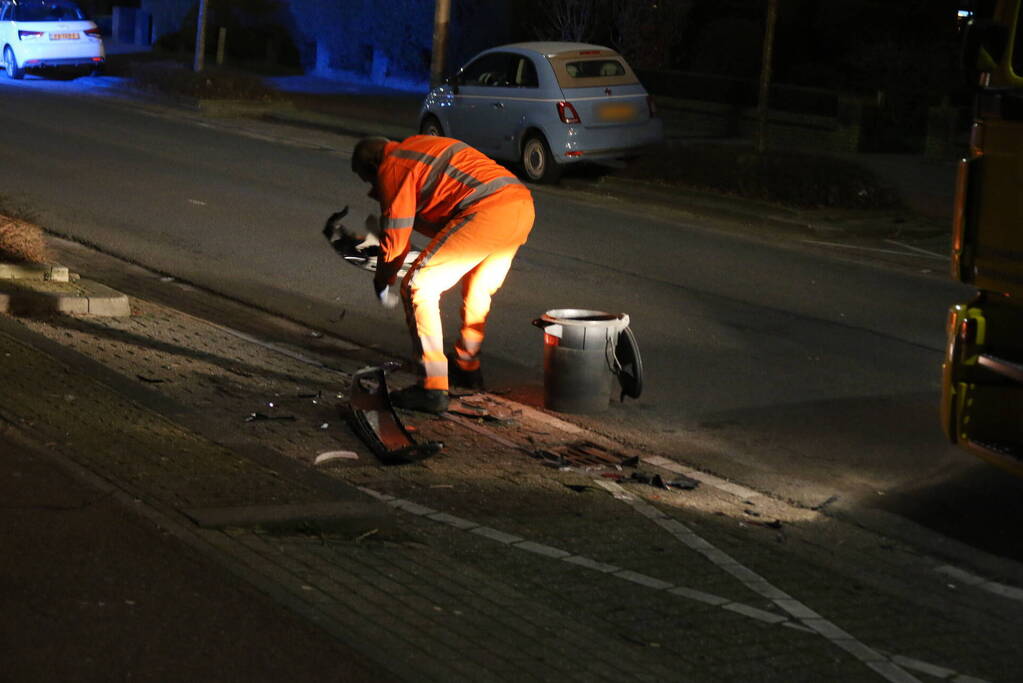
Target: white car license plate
(64, 36)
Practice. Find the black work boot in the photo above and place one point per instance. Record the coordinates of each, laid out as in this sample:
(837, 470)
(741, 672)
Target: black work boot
(418, 398)
(464, 379)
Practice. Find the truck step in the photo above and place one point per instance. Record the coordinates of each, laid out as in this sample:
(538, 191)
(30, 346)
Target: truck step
(1002, 451)
(1012, 369)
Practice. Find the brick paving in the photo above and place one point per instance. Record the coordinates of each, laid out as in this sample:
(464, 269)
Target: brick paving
(482, 563)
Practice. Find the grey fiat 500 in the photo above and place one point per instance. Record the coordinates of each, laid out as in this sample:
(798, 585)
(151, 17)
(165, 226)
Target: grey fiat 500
(544, 105)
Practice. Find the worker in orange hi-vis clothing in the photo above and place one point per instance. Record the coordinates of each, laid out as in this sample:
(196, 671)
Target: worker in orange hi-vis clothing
(477, 215)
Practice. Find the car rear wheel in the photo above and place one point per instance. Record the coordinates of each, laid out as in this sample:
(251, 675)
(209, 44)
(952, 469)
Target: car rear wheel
(537, 161)
(11, 64)
(431, 126)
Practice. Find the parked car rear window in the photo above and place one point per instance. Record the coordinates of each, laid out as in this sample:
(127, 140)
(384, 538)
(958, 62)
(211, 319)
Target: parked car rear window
(47, 11)
(595, 68)
(592, 71)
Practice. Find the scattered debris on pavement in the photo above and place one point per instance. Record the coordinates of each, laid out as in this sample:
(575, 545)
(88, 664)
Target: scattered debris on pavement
(373, 419)
(331, 456)
(584, 455)
(682, 482)
(257, 417)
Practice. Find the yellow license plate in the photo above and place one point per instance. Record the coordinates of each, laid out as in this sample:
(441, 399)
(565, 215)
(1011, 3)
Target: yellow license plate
(616, 112)
(64, 36)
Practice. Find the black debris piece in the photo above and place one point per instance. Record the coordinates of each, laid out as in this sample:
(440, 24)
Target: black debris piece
(151, 380)
(256, 417)
(773, 524)
(683, 483)
(655, 480)
(826, 503)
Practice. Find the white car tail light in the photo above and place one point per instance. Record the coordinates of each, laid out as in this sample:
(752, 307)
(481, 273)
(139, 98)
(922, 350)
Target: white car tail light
(29, 35)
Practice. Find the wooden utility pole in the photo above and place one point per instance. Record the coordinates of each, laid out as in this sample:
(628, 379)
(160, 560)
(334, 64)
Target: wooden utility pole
(441, 18)
(200, 37)
(765, 76)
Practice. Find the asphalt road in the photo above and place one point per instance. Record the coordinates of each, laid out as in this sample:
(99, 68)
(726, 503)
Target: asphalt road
(805, 373)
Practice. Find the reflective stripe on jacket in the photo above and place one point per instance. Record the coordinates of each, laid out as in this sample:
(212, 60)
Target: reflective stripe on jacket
(425, 181)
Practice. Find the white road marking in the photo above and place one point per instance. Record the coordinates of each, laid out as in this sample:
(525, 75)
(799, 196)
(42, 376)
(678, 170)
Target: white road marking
(839, 637)
(969, 579)
(925, 252)
(857, 247)
(891, 667)
(923, 667)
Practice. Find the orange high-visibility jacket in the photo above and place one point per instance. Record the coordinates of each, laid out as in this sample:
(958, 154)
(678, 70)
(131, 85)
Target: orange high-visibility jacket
(426, 181)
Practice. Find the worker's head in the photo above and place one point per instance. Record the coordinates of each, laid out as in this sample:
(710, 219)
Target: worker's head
(366, 157)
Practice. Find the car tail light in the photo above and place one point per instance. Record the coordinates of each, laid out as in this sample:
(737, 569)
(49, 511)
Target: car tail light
(29, 35)
(651, 105)
(92, 32)
(567, 113)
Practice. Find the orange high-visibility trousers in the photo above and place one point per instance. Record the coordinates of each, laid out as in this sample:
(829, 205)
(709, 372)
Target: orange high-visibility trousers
(476, 248)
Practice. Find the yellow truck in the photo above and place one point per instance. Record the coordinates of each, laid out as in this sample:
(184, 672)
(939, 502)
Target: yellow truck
(982, 373)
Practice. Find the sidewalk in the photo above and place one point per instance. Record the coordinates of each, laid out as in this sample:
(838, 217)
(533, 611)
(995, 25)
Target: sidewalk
(161, 534)
(96, 588)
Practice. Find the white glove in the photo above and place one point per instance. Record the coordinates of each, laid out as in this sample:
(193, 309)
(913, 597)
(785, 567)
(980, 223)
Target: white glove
(388, 297)
(370, 240)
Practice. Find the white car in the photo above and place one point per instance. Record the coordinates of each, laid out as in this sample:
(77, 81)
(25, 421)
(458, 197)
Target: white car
(48, 33)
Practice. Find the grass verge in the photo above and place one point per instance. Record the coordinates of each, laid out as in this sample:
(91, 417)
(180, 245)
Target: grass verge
(22, 242)
(177, 79)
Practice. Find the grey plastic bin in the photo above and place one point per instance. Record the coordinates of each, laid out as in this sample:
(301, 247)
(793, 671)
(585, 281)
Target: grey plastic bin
(579, 361)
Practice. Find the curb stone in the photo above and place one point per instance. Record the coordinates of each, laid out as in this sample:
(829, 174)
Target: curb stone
(34, 290)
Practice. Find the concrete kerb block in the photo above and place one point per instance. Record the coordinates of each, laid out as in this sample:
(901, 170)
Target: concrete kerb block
(36, 296)
(107, 302)
(35, 271)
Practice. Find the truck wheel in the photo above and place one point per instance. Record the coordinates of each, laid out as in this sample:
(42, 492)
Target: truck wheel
(537, 161)
(431, 126)
(14, 71)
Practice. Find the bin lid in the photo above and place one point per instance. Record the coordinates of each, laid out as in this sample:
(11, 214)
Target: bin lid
(630, 376)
